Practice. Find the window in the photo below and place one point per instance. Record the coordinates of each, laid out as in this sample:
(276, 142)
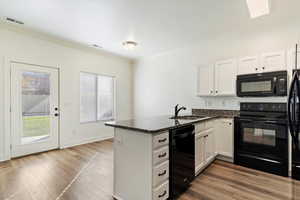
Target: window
(96, 97)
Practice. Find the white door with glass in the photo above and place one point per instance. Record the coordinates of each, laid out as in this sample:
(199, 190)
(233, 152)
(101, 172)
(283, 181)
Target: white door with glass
(34, 109)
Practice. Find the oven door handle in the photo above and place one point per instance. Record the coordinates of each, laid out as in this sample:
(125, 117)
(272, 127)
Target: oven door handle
(246, 120)
(294, 93)
(259, 121)
(273, 122)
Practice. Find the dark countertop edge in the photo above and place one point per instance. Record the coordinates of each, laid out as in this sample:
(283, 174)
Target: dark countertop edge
(162, 129)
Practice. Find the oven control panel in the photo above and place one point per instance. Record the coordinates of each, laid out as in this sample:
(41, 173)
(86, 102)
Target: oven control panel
(264, 107)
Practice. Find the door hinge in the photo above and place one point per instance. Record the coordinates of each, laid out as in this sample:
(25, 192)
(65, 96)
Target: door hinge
(10, 146)
(10, 109)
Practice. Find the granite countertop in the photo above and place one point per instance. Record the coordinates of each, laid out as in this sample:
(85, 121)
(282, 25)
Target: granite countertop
(155, 124)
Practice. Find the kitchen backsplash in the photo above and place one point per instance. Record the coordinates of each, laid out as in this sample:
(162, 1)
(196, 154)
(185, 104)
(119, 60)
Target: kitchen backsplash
(233, 103)
(213, 112)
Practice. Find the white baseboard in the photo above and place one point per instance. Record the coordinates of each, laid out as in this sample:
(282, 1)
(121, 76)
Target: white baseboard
(85, 141)
(225, 158)
(76, 143)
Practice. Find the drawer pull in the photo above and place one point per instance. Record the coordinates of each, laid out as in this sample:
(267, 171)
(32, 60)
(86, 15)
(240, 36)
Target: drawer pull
(163, 194)
(162, 140)
(162, 155)
(163, 173)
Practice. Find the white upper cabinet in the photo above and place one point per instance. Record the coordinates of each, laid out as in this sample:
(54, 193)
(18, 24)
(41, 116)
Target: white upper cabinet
(274, 61)
(248, 65)
(205, 81)
(267, 62)
(225, 77)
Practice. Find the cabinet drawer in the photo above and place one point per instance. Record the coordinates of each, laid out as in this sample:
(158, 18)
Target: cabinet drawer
(160, 140)
(160, 173)
(160, 155)
(209, 124)
(200, 127)
(161, 192)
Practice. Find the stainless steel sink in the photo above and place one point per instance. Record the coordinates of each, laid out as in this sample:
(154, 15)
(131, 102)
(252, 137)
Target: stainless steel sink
(188, 117)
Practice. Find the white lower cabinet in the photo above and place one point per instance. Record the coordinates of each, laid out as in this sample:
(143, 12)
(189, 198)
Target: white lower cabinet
(141, 165)
(212, 138)
(210, 147)
(224, 139)
(162, 192)
(199, 152)
(205, 149)
(160, 174)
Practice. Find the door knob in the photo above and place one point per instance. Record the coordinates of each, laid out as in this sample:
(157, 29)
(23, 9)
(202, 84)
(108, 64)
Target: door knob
(56, 114)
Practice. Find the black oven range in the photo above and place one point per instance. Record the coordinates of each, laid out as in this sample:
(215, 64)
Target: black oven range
(261, 137)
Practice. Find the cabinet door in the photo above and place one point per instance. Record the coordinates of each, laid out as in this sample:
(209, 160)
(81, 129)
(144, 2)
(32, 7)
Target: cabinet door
(199, 152)
(248, 65)
(205, 81)
(210, 148)
(225, 79)
(273, 61)
(225, 137)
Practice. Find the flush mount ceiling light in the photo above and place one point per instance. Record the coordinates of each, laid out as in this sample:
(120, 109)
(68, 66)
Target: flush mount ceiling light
(258, 8)
(129, 44)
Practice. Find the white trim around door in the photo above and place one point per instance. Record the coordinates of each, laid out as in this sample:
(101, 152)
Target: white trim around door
(43, 123)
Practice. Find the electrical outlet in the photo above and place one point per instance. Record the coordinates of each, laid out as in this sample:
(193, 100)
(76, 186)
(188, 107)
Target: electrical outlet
(209, 103)
(118, 140)
(223, 103)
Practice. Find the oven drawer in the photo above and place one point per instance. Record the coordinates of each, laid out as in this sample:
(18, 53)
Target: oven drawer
(278, 167)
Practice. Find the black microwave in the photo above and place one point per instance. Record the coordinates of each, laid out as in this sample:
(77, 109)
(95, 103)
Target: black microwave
(262, 85)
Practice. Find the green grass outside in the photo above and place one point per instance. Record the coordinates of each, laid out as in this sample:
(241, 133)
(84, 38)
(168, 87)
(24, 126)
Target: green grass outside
(36, 126)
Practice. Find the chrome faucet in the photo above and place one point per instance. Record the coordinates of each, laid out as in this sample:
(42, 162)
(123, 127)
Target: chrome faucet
(178, 109)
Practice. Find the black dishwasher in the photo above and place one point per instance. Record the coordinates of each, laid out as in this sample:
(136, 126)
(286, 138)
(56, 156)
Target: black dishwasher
(182, 159)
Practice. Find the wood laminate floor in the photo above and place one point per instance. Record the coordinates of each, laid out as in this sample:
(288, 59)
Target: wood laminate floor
(86, 173)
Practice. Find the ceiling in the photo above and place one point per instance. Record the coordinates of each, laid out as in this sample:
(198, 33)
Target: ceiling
(157, 25)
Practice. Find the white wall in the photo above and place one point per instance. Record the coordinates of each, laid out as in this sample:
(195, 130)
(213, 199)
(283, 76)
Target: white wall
(164, 80)
(34, 48)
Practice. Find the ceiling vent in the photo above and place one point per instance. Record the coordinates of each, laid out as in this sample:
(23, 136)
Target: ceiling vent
(11, 20)
(96, 46)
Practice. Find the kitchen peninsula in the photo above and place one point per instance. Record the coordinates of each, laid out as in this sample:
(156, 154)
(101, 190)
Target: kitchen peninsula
(142, 159)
